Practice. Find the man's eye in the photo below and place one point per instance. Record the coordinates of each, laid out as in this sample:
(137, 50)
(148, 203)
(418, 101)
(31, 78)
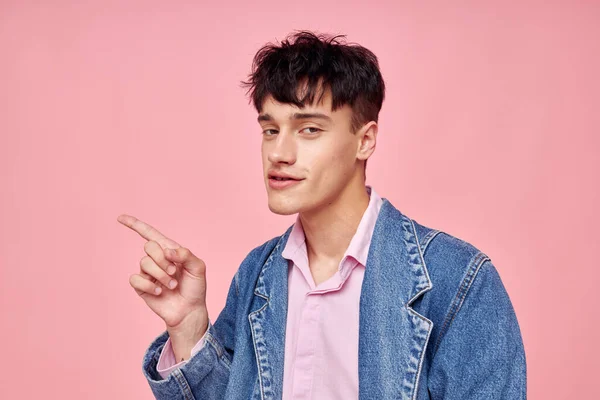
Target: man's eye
(269, 132)
(314, 130)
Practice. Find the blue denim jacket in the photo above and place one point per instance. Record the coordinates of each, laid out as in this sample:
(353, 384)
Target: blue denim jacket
(435, 323)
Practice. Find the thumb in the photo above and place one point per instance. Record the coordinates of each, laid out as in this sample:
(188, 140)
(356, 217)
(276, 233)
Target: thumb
(187, 259)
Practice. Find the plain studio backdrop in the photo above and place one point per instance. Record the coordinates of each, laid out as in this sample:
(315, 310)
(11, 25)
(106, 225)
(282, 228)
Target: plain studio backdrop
(489, 131)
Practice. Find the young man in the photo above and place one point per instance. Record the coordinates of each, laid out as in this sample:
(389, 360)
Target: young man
(356, 299)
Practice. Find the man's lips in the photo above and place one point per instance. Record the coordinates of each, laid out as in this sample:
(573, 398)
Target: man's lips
(277, 178)
(283, 183)
(280, 175)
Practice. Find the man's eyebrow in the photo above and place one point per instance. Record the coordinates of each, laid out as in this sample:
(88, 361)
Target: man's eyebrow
(267, 117)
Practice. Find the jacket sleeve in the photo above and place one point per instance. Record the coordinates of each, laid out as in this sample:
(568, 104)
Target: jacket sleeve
(481, 353)
(206, 374)
(167, 362)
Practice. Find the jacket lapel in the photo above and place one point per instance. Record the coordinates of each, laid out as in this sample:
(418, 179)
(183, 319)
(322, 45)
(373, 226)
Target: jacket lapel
(392, 336)
(268, 321)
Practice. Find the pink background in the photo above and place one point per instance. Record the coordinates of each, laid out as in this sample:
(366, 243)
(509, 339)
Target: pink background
(489, 131)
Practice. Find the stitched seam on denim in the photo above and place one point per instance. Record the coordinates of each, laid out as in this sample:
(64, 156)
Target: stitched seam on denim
(257, 293)
(183, 384)
(221, 353)
(423, 351)
(425, 289)
(259, 282)
(450, 314)
(217, 346)
(267, 263)
(430, 284)
(237, 285)
(262, 394)
(461, 294)
(428, 238)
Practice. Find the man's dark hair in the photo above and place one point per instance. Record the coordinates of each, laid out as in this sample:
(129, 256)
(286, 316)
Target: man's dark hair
(305, 58)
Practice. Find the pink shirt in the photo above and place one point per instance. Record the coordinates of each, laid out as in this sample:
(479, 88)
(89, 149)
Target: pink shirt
(321, 346)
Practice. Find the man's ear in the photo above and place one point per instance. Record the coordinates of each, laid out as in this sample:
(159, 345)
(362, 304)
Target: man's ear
(367, 139)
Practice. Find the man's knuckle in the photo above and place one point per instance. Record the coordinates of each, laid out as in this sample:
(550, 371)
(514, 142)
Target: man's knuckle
(185, 252)
(148, 245)
(144, 261)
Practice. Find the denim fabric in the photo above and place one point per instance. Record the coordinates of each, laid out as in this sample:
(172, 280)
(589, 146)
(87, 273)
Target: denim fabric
(435, 323)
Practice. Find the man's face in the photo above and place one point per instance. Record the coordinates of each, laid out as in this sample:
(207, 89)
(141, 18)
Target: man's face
(312, 145)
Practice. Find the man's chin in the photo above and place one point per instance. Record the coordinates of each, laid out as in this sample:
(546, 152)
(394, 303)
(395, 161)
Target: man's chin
(283, 209)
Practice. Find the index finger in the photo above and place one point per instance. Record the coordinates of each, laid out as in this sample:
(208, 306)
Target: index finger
(147, 231)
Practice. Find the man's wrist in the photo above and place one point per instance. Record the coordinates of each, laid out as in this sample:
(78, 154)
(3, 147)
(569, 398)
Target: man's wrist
(186, 335)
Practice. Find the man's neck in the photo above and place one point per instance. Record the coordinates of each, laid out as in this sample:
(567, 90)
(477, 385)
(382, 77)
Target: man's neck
(329, 230)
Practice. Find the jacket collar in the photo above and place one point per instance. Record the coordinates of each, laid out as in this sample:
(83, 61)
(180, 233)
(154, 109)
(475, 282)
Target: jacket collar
(392, 336)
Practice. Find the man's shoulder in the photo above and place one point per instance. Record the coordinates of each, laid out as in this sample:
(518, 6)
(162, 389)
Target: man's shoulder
(444, 254)
(257, 257)
(452, 263)
(264, 250)
(464, 282)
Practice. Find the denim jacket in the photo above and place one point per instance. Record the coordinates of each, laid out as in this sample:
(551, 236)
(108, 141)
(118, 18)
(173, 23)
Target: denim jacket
(435, 323)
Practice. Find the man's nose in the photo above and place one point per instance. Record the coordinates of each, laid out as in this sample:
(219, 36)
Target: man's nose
(283, 149)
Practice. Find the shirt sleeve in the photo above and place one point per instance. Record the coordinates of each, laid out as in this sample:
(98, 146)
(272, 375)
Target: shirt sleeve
(167, 362)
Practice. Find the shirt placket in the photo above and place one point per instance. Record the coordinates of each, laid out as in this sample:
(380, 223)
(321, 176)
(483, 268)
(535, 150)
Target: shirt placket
(306, 351)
